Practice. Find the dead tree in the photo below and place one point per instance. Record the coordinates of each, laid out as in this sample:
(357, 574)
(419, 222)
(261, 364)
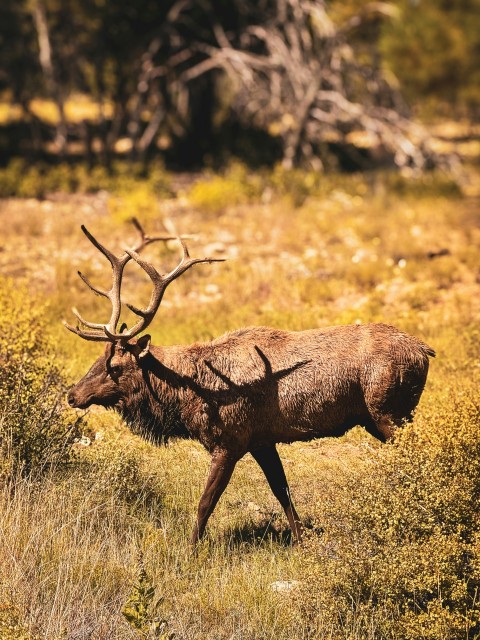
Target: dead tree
(46, 62)
(298, 75)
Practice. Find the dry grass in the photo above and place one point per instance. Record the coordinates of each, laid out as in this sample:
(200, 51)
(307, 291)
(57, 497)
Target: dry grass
(358, 252)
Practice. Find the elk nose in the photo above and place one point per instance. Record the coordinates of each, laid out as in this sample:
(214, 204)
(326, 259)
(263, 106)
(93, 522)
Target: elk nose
(71, 399)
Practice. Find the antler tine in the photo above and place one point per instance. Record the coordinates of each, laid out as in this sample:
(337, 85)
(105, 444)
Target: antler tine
(160, 284)
(145, 239)
(86, 335)
(105, 332)
(138, 227)
(147, 314)
(99, 292)
(108, 254)
(185, 263)
(90, 325)
(118, 265)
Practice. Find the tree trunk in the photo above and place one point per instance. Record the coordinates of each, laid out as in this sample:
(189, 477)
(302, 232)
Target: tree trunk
(46, 62)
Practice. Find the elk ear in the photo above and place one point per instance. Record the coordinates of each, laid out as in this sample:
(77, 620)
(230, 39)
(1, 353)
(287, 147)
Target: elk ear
(143, 344)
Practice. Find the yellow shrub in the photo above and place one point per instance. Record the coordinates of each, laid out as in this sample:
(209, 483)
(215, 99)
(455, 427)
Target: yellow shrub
(23, 180)
(237, 186)
(138, 201)
(35, 430)
(10, 625)
(401, 560)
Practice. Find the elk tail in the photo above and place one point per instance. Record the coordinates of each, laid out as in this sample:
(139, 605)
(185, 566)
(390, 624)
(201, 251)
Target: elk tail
(428, 350)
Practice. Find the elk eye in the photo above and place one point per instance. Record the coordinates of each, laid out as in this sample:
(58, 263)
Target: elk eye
(115, 371)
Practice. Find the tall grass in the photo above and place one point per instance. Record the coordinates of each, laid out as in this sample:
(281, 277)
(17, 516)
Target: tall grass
(393, 550)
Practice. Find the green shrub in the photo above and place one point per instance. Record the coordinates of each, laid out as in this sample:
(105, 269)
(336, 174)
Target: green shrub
(10, 626)
(238, 186)
(142, 608)
(19, 179)
(35, 430)
(430, 183)
(295, 184)
(134, 200)
(402, 560)
(235, 187)
(119, 472)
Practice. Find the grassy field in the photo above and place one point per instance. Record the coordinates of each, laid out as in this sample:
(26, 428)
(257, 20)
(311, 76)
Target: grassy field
(94, 544)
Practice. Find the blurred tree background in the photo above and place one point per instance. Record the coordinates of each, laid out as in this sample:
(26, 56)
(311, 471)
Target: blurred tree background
(304, 82)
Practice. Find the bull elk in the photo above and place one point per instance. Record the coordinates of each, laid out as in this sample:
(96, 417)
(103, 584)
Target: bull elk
(250, 389)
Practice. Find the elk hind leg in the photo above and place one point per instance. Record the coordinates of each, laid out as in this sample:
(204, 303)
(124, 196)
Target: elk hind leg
(271, 465)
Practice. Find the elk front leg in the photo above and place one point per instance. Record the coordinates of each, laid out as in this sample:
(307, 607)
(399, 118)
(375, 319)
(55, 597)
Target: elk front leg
(271, 465)
(221, 469)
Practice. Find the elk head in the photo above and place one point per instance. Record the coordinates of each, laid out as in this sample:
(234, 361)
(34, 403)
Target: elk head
(107, 381)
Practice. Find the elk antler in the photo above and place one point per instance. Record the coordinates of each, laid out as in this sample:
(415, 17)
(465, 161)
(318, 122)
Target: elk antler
(108, 332)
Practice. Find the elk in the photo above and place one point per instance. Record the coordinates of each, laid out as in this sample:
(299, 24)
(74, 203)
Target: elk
(250, 389)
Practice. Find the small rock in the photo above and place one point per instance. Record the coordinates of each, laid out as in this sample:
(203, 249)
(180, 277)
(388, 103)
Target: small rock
(284, 586)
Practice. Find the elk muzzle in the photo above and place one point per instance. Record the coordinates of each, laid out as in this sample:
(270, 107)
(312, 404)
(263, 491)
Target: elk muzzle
(80, 398)
(72, 399)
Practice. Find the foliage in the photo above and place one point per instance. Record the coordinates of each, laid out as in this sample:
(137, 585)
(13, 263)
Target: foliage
(10, 625)
(24, 180)
(296, 185)
(190, 80)
(402, 561)
(120, 473)
(236, 186)
(35, 430)
(433, 183)
(141, 610)
(394, 550)
(433, 48)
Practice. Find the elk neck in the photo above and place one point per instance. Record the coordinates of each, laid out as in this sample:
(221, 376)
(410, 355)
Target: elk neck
(158, 397)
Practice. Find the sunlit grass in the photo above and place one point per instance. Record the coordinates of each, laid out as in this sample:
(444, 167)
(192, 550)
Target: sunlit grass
(348, 251)
(77, 107)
